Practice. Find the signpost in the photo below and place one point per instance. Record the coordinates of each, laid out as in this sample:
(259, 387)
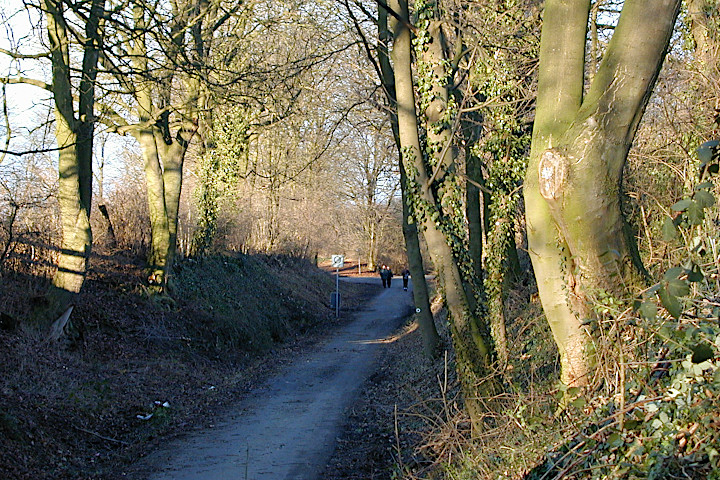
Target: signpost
(338, 261)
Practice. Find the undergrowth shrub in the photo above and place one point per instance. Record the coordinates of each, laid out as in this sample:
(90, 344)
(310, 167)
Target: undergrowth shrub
(652, 411)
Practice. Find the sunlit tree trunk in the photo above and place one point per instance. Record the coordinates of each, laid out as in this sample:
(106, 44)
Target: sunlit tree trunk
(163, 155)
(576, 231)
(75, 142)
(370, 229)
(421, 294)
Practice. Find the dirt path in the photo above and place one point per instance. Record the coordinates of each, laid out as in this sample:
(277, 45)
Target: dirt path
(286, 428)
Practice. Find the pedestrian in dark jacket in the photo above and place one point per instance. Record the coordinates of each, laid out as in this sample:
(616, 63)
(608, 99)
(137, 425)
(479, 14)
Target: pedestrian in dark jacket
(389, 276)
(384, 276)
(406, 277)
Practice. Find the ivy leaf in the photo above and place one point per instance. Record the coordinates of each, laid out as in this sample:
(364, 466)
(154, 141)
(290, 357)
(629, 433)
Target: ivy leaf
(701, 352)
(648, 310)
(704, 198)
(706, 151)
(615, 440)
(669, 230)
(695, 274)
(678, 288)
(704, 186)
(695, 213)
(673, 273)
(671, 303)
(682, 205)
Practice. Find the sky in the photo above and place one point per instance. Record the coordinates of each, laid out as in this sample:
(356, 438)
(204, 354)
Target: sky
(29, 106)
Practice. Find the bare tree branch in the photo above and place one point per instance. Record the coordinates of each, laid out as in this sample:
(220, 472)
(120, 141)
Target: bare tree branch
(24, 56)
(8, 130)
(27, 81)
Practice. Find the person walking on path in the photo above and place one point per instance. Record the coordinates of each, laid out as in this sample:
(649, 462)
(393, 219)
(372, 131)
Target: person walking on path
(384, 276)
(389, 276)
(406, 277)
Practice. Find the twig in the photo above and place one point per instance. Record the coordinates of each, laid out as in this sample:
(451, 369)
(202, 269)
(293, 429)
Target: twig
(101, 436)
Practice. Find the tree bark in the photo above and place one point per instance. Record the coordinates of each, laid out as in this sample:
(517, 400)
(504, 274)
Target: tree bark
(74, 137)
(473, 353)
(163, 155)
(473, 211)
(576, 230)
(421, 295)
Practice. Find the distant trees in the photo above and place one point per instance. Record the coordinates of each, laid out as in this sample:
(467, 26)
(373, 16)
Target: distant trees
(228, 93)
(370, 183)
(294, 171)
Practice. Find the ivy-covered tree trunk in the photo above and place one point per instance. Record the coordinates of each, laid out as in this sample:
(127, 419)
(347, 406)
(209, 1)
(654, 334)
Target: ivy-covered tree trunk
(421, 295)
(223, 156)
(704, 24)
(576, 230)
(472, 349)
(474, 210)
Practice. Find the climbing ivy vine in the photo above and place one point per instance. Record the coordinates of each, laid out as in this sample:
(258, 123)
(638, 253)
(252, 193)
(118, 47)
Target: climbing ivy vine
(218, 172)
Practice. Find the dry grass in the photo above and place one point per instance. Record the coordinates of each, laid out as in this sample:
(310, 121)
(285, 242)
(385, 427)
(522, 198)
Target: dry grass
(410, 424)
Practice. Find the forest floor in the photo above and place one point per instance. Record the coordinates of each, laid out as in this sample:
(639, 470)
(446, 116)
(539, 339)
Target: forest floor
(85, 413)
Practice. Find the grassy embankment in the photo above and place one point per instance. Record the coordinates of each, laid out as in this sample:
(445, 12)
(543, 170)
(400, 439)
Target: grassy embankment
(74, 414)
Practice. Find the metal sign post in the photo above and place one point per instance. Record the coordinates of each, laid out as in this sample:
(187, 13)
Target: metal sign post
(337, 261)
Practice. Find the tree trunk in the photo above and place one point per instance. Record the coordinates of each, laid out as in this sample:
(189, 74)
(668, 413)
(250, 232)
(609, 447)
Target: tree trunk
(163, 157)
(473, 211)
(75, 143)
(74, 214)
(576, 230)
(173, 180)
(159, 228)
(421, 295)
(372, 244)
(472, 350)
(109, 230)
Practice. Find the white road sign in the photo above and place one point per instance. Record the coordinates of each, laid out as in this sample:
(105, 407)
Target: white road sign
(338, 261)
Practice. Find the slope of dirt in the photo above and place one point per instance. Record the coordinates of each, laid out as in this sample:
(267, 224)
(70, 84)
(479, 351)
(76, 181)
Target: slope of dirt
(85, 414)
